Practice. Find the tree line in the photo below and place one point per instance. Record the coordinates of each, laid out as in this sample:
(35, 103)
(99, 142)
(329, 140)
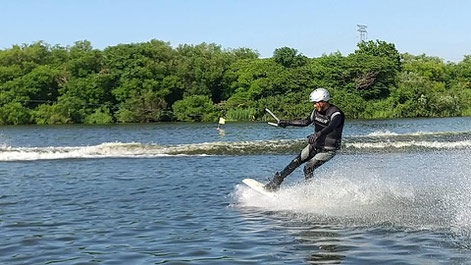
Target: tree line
(153, 82)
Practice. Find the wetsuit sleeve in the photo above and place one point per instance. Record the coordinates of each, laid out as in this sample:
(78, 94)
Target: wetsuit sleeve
(302, 122)
(334, 122)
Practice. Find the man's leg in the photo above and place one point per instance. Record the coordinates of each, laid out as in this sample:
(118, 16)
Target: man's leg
(307, 153)
(318, 160)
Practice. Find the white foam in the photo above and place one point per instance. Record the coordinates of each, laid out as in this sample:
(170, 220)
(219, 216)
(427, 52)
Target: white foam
(405, 144)
(366, 198)
(338, 196)
(103, 150)
(117, 149)
(382, 133)
(387, 133)
(460, 201)
(130, 150)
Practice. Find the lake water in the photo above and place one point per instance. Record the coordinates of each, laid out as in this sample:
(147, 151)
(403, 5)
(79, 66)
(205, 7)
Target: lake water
(399, 192)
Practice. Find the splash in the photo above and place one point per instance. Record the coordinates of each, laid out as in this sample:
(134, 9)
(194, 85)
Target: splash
(368, 201)
(334, 197)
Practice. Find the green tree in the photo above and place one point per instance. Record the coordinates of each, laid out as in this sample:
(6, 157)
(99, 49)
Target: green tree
(381, 49)
(142, 106)
(374, 67)
(67, 110)
(195, 108)
(14, 113)
(141, 78)
(202, 67)
(463, 72)
(331, 71)
(431, 68)
(84, 60)
(350, 101)
(37, 87)
(258, 78)
(245, 53)
(151, 81)
(289, 57)
(27, 57)
(101, 115)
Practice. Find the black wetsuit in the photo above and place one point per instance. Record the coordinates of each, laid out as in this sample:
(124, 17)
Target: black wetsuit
(329, 126)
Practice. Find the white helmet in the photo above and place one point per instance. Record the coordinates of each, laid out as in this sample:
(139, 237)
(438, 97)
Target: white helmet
(320, 94)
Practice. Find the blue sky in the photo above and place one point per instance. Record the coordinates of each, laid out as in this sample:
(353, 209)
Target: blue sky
(436, 28)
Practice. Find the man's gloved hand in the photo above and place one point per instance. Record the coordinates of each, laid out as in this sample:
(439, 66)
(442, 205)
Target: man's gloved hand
(312, 139)
(283, 123)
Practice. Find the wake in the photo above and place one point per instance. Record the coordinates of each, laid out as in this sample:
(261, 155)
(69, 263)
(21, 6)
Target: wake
(382, 142)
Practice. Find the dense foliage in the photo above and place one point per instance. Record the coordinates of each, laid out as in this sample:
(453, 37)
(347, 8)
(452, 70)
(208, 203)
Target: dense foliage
(152, 81)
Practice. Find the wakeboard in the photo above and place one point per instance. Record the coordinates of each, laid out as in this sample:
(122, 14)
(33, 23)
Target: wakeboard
(258, 187)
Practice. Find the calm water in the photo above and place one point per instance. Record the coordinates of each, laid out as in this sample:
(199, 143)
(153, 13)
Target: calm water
(398, 193)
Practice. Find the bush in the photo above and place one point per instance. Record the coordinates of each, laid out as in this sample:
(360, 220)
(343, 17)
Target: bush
(382, 109)
(66, 111)
(238, 99)
(241, 114)
(195, 108)
(350, 102)
(14, 113)
(289, 106)
(100, 116)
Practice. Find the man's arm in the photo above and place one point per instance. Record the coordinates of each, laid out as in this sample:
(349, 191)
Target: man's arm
(297, 123)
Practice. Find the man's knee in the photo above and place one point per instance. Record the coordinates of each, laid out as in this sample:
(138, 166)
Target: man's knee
(308, 172)
(296, 162)
(310, 166)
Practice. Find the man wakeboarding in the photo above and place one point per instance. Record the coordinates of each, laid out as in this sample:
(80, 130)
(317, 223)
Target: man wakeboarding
(323, 144)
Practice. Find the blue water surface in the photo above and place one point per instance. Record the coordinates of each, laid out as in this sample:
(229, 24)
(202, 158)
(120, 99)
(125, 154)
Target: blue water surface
(393, 207)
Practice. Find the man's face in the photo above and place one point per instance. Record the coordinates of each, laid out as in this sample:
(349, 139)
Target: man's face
(320, 105)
